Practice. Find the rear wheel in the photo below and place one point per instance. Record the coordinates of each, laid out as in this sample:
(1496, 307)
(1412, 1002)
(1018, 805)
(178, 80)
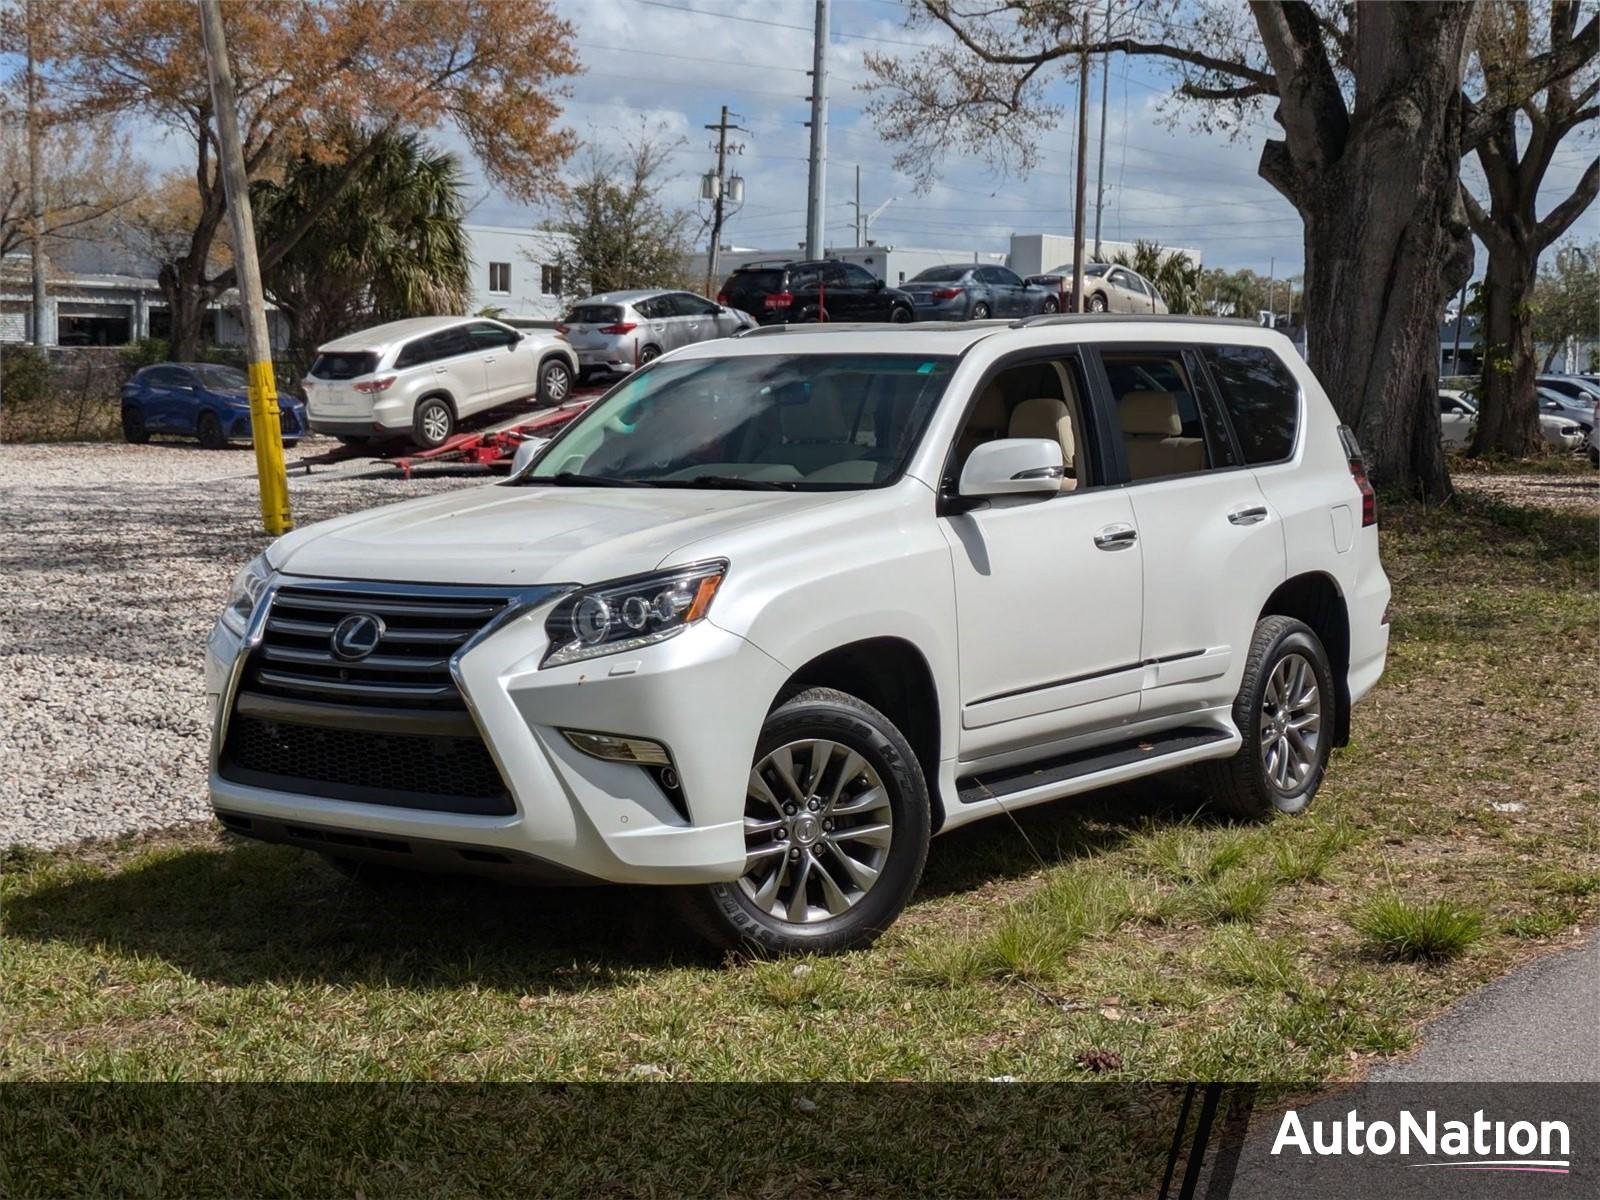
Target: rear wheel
(432, 423)
(980, 311)
(836, 833)
(133, 427)
(555, 381)
(649, 354)
(210, 432)
(1285, 712)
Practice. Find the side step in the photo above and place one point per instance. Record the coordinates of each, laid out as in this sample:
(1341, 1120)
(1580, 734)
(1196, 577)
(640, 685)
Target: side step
(1049, 772)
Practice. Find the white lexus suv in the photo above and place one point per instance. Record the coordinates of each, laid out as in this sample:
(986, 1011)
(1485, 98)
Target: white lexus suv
(778, 608)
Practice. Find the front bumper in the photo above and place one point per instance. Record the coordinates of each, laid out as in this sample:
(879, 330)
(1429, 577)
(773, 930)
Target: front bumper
(291, 423)
(703, 694)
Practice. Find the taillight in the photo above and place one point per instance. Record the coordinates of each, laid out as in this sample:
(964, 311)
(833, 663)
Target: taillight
(620, 327)
(561, 330)
(722, 298)
(946, 293)
(374, 385)
(1358, 472)
(779, 300)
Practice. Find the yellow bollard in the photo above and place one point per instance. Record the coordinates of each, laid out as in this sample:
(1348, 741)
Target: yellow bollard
(266, 432)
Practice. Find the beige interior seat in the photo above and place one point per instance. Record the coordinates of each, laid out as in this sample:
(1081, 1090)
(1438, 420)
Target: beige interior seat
(821, 430)
(987, 422)
(1153, 436)
(1047, 417)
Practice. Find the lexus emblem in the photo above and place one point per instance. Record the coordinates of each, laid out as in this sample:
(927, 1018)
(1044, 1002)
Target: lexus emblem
(356, 636)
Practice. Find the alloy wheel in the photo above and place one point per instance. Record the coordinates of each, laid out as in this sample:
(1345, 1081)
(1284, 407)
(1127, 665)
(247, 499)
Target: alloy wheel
(557, 383)
(817, 829)
(1291, 723)
(435, 423)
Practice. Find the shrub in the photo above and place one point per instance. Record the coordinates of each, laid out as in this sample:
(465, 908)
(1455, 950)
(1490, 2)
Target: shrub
(24, 375)
(144, 353)
(1403, 930)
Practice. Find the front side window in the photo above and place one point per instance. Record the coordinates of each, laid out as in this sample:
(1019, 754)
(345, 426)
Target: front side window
(803, 422)
(1005, 276)
(1041, 399)
(224, 379)
(499, 277)
(486, 335)
(1159, 409)
(858, 277)
(1262, 398)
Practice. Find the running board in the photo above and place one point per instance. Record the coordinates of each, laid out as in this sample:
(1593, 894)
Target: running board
(1085, 768)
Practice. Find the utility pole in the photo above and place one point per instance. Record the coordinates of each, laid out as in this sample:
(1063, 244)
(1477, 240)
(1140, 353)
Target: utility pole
(1272, 292)
(860, 234)
(817, 179)
(265, 431)
(1100, 171)
(1083, 147)
(719, 194)
(35, 192)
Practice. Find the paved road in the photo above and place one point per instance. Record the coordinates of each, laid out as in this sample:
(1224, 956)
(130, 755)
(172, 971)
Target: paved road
(1537, 1025)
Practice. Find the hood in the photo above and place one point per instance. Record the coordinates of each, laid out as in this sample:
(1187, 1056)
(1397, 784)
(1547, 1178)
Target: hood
(515, 536)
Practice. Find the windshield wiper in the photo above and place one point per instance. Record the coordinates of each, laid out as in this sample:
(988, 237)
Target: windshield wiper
(732, 483)
(572, 479)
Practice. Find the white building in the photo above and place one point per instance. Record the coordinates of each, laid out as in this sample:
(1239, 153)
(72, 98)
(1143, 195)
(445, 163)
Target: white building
(513, 271)
(1037, 253)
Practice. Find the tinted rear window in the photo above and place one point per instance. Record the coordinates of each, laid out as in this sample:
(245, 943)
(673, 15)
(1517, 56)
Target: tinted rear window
(594, 314)
(338, 365)
(754, 282)
(1262, 399)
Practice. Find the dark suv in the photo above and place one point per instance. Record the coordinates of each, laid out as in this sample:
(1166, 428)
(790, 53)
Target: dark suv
(777, 293)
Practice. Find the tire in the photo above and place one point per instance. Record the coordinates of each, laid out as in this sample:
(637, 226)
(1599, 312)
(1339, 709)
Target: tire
(134, 431)
(210, 432)
(980, 312)
(1051, 305)
(649, 354)
(1097, 303)
(900, 315)
(865, 742)
(291, 443)
(433, 422)
(555, 381)
(1245, 785)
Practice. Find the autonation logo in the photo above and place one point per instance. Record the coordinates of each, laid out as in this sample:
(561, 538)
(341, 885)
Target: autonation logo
(1476, 1145)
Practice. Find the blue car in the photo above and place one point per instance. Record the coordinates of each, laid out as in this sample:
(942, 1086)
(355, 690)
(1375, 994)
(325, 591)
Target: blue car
(199, 400)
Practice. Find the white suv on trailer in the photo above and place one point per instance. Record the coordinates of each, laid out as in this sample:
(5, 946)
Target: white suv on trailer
(778, 608)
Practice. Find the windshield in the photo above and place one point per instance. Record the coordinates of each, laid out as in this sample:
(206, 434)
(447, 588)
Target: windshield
(940, 275)
(224, 379)
(807, 422)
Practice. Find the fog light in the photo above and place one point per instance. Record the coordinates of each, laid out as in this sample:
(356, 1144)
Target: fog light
(616, 748)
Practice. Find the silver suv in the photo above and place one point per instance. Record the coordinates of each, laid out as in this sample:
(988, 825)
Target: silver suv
(619, 331)
(421, 376)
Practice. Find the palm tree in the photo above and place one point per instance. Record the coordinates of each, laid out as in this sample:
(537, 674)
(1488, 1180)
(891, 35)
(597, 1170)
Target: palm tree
(1175, 275)
(393, 245)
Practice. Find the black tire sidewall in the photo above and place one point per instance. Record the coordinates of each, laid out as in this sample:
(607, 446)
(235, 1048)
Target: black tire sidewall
(205, 424)
(134, 430)
(871, 735)
(1292, 638)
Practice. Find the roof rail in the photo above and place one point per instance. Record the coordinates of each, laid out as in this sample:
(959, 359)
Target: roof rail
(1091, 318)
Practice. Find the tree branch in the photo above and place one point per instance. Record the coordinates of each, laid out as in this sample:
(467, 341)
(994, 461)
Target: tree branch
(1560, 218)
(1313, 110)
(1539, 73)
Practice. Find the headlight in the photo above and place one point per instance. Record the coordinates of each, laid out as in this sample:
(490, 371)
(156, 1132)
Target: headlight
(631, 613)
(246, 591)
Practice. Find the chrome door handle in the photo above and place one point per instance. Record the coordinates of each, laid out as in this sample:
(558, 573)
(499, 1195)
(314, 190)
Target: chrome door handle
(1253, 515)
(1116, 537)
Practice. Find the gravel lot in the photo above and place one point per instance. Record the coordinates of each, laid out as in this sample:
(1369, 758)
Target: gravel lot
(114, 561)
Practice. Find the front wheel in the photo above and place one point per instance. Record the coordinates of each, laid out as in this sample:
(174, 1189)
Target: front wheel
(900, 315)
(1097, 303)
(134, 430)
(1051, 305)
(1285, 712)
(209, 430)
(836, 827)
(555, 381)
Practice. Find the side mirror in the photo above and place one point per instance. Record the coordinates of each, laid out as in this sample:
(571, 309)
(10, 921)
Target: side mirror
(1012, 467)
(527, 451)
(878, 285)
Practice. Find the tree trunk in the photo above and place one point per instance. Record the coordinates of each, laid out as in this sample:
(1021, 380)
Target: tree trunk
(183, 284)
(1508, 412)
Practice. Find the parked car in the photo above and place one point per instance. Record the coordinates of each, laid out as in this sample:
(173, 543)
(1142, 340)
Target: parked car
(1556, 403)
(713, 635)
(619, 331)
(421, 376)
(1458, 420)
(777, 293)
(1106, 288)
(208, 401)
(976, 292)
(1584, 390)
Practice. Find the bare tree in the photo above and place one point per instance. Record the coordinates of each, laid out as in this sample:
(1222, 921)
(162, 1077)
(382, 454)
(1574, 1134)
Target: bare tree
(1374, 121)
(1510, 227)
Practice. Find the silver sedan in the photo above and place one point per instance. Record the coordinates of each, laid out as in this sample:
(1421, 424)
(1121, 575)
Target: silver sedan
(617, 332)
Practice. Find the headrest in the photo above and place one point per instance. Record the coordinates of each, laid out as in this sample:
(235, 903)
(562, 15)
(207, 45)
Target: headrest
(1039, 418)
(1152, 414)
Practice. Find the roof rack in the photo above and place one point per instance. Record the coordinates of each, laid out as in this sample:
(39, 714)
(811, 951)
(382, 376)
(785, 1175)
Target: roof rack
(1092, 318)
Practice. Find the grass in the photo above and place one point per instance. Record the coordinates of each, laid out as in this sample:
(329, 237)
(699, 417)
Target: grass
(1394, 927)
(1131, 936)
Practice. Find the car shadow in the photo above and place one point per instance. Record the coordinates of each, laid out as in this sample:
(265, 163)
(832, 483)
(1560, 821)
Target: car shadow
(241, 913)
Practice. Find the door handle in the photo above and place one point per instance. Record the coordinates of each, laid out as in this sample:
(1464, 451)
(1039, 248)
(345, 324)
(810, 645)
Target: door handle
(1116, 537)
(1251, 515)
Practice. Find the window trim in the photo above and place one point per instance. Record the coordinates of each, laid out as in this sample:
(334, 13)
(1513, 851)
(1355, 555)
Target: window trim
(948, 503)
(1299, 399)
(1193, 355)
(506, 289)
